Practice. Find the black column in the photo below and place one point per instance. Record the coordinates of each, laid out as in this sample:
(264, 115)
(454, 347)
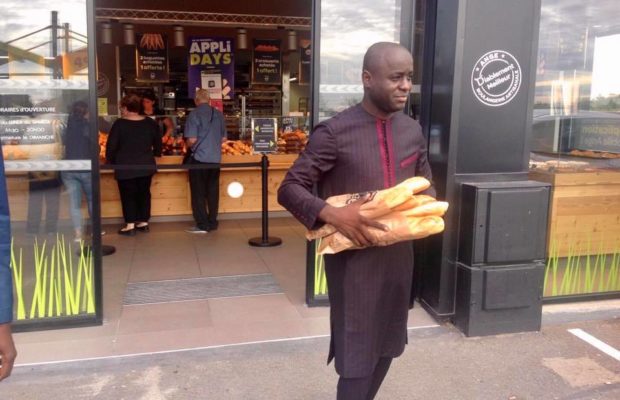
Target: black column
(478, 93)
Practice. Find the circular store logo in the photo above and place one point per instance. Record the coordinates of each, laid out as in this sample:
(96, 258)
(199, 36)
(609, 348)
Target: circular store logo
(103, 84)
(496, 78)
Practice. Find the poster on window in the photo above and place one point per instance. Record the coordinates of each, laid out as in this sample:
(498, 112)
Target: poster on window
(211, 55)
(29, 132)
(266, 62)
(152, 58)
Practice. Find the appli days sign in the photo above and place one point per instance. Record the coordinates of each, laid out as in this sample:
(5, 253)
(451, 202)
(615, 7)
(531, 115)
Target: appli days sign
(211, 55)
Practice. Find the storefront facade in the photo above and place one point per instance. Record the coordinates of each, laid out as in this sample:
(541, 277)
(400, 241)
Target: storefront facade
(78, 52)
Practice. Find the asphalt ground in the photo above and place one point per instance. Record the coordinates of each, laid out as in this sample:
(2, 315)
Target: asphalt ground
(438, 364)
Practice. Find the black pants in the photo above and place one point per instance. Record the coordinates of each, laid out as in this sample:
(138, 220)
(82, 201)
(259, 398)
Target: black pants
(365, 388)
(205, 185)
(136, 198)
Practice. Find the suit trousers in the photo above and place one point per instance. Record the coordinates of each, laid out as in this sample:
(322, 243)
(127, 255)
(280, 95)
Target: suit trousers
(204, 185)
(136, 198)
(365, 388)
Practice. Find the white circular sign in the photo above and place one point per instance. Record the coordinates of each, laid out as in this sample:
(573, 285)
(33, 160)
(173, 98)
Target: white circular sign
(235, 189)
(496, 78)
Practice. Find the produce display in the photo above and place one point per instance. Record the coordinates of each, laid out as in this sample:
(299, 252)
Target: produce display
(103, 140)
(288, 143)
(237, 147)
(173, 146)
(292, 142)
(407, 216)
(15, 152)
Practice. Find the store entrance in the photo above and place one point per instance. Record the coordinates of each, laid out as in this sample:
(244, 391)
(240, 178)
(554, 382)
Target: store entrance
(199, 289)
(254, 61)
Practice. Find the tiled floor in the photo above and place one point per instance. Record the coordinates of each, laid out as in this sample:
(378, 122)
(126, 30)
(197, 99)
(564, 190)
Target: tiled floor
(167, 252)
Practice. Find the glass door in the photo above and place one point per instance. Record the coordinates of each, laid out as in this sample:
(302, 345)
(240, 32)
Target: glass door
(343, 30)
(49, 143)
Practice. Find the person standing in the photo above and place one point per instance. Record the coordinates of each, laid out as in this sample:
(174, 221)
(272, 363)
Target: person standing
(205, 130)
(149, 108)
(134, 140)
(7, 346)
(370, 146)
(78, 142)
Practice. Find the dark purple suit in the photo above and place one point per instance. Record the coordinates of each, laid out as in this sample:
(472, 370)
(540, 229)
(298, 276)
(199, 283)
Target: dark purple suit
(369, 289)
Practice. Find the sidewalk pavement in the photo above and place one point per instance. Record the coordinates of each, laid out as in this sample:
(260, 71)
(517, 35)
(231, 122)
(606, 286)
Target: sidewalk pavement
(438, 364)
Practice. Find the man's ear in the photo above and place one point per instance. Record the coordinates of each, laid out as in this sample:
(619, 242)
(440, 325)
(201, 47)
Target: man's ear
(366, 78)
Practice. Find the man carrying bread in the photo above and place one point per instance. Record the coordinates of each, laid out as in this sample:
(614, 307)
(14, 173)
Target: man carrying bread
(370, 146)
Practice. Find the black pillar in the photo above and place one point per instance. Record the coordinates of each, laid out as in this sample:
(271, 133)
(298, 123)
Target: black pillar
(479, 77)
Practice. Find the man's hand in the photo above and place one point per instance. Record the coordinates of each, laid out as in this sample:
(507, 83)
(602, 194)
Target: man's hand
(348, 221)
(7, 351)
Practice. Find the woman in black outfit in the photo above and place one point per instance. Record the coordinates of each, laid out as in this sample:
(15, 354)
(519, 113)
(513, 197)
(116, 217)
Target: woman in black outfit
(134, 140)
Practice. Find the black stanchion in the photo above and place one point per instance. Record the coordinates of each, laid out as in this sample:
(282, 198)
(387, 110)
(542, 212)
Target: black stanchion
(265, 240)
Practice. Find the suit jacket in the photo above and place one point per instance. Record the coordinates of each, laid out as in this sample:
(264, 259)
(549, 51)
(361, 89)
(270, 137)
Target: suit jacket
(369, 289)
(133, 143)
(6, 283)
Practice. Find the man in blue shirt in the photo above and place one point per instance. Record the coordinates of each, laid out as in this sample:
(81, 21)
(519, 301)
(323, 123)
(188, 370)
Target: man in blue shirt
(7, 347)
(205, 130)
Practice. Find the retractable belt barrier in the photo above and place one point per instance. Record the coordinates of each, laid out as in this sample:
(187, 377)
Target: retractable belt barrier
(265, 240)
(150, 167)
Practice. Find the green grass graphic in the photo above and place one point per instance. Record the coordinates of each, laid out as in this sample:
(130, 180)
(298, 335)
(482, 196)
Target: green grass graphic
(59, 287)
(581, 272)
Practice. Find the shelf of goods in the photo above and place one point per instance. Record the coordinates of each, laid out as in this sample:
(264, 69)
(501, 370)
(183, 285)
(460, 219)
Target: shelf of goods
(585, 210)
(260, 103)
(170, 188)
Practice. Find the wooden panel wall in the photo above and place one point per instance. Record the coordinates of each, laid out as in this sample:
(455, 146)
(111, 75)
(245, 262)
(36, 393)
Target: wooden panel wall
(170, 190)
(171, 194)
(585, 212)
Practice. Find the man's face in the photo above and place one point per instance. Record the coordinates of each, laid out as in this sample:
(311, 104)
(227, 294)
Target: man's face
(389, 84)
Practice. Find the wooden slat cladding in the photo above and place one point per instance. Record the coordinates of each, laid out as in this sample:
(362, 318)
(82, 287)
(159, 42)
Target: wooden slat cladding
(585, 212)
(171, 195)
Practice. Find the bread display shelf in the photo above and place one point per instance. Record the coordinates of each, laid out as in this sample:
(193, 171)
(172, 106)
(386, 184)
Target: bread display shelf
(585, 211)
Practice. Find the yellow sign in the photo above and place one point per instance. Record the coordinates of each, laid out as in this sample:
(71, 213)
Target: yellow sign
(102, 106)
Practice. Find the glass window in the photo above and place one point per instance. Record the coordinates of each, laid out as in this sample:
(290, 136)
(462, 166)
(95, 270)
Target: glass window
(48, 149)
(576, 142)
(347, 29)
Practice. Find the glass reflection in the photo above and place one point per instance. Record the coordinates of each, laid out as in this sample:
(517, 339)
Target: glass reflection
(348, 28)
(78, 184)
(576, 143)
(45, 137)
(578, 86)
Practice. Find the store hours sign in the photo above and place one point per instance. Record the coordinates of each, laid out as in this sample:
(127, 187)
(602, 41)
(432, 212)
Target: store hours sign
(496, 78)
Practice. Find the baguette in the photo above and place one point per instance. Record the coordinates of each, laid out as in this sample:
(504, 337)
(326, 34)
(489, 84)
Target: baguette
(381, 202)
(414, 201)
(401, 228)
(436, 208)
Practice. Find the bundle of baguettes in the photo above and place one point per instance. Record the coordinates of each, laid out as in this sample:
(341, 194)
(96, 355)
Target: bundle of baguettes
(406, 214)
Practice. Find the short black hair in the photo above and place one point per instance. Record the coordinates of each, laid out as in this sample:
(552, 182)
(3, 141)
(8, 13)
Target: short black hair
(150, 95)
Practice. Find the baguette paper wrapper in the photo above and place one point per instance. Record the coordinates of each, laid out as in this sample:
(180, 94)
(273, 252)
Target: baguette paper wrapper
(407, 216)
(380, 202)
(401, 228)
